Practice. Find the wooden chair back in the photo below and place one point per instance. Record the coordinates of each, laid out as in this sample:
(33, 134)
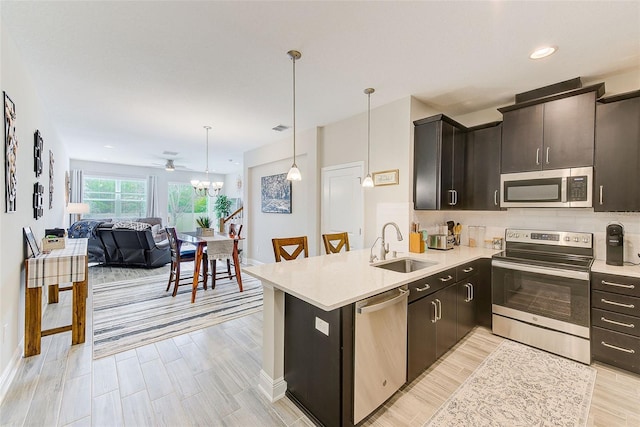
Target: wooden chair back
(334, 242)
(281, 251)
(174, 243)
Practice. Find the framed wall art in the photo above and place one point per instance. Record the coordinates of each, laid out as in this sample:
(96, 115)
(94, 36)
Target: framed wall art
(38, 193)
(67, 188)
(10, 153)
(38, 144)
(51, 162)
(32, 244)
(389, 177)
(276, 194)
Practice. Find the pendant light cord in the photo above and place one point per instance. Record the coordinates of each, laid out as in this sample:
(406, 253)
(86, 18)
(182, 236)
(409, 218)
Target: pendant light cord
(368, 132)
(294, 109)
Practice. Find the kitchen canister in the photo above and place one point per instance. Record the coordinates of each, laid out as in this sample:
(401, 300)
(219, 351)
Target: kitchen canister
(473, 236)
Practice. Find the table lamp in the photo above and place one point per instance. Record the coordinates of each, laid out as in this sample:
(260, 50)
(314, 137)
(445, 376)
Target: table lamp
(78, 209)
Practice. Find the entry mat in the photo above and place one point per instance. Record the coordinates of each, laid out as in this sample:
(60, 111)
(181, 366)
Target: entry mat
(520, 386)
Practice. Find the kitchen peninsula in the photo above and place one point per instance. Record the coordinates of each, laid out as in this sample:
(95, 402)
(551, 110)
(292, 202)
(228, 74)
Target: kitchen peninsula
(330, 285)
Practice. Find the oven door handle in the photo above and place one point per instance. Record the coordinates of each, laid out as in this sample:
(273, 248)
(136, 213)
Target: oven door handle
(569, 274)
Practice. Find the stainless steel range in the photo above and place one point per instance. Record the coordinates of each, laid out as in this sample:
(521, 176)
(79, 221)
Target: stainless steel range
(540, 291)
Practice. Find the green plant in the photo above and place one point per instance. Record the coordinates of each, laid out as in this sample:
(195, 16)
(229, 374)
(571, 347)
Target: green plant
(204, 222)
(222, 206)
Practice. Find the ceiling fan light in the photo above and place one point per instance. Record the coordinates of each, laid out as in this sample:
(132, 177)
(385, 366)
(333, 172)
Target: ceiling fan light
(368, 181)
(294, 174)
(543, 52)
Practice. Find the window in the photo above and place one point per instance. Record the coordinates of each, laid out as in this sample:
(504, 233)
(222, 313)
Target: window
(110, 197)
(184, 206)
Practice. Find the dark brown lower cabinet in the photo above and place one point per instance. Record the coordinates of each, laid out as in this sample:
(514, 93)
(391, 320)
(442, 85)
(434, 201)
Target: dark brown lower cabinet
(615, 320)
(466, 306)
(483, 294)
(319, 368)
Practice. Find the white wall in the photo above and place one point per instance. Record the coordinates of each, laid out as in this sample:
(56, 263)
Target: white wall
(30, 115)
(304, 218)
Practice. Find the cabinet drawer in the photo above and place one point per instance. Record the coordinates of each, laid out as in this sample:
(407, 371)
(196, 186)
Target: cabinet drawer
(616, 303)
(616, 322)
(616, 349)
(428, 285)
(624, 285)
(467, 270)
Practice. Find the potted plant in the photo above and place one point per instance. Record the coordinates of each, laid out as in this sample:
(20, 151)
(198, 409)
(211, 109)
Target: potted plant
(204, 226)
(222, 208)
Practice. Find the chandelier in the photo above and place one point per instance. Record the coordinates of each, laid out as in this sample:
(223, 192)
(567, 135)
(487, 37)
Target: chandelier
(206, 187)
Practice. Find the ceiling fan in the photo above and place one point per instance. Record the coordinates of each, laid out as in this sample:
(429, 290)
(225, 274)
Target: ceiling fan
(170, 165)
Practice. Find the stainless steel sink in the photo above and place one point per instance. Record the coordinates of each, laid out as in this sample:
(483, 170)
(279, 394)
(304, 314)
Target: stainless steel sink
(405, 265)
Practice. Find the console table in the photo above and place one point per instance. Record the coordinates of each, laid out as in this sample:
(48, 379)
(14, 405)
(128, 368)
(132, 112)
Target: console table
(60, 266)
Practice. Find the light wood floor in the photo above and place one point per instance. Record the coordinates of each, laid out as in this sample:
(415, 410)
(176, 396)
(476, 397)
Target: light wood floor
(209, 378)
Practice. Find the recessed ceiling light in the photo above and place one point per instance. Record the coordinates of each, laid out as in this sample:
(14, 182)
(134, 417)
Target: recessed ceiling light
(108, 146)
(543, 52)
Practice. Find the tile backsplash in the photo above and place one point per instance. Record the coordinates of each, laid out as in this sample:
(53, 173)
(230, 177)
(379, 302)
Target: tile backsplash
(582, 220)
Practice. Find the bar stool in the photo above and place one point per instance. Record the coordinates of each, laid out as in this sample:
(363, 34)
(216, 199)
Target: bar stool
(341, 240)
(281, 252)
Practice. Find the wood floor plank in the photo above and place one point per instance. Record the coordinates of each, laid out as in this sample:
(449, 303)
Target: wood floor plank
(137, 410)
(47, 398)
(105, 376)
(168, 411)
(130, 378)
(168, 350)
(182, 378)
(157, 380)
(76, 399)
(147, 353)
(107, 410)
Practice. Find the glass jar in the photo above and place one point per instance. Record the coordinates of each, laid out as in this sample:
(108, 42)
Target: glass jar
(473, 236)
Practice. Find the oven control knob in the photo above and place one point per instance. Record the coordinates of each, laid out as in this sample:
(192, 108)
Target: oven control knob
(585, 239)
(517, 235)
(567, 238)
(510, 235)
(575, 239)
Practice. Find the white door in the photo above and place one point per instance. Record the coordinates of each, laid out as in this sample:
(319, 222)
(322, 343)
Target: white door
(342, 207)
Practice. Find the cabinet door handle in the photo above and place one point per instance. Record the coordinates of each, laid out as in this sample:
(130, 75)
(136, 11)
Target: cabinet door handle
(439, 309)
(547, 159)
(455, 195)
(495, 198)
(472, 291)
(537, 156)
(451, 202)
(423, 289)
(446, 279)
(601, 201)
(468, 298)
(435, 312)
(626, 325)
(468, 270)
(619, 304)
(615, 347)
(619, 285)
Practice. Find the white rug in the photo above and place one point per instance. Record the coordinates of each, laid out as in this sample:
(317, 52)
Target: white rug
(133, 313)
(521, 386)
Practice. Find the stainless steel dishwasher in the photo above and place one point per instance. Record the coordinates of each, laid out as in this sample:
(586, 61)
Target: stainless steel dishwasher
(380, 350)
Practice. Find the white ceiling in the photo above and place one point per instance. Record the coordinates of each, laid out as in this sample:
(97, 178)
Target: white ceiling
(146, 76)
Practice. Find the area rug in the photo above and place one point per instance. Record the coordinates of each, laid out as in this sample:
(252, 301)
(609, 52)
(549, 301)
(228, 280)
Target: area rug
(521, 386)
(133, 313)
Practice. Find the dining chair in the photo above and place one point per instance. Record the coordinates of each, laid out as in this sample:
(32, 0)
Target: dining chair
(224, 250)
(334, 242)
(298, 244)
(178, 256)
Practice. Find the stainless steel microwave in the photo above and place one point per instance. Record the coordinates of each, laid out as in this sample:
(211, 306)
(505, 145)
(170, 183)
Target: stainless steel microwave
(556, 188)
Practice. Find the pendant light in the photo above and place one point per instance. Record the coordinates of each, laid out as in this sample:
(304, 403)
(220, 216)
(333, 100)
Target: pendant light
(294, 172)
(206, 188)
(368, 182)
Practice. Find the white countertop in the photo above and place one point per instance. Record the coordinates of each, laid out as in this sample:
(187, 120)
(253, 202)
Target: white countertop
(600, 266)
(336, 280)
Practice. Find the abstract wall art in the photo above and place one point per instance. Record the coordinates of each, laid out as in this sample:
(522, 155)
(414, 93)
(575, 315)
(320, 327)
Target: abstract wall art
(10, 153)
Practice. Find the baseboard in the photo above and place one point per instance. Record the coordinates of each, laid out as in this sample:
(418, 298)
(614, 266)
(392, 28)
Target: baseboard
(273, 389)
(10, 371)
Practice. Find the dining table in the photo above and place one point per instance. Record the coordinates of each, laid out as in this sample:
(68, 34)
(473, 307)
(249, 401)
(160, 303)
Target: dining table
(201, 242)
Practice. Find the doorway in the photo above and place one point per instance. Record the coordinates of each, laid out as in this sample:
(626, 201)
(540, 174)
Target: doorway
(342, 204)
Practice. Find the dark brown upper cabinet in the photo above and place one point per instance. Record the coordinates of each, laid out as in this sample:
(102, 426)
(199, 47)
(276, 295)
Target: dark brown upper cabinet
(482, 167)
(617, 154)
(439, 156)
(554, 132)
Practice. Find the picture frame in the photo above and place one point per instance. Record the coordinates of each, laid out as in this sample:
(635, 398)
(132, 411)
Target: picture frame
(388, 177)
(10, 154)
(38, 194)
(275, 193)
(38, 145)
(51, 174)
(31, 241)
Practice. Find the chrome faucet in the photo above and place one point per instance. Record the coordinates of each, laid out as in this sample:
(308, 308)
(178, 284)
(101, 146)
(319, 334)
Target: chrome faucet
(384, 249)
